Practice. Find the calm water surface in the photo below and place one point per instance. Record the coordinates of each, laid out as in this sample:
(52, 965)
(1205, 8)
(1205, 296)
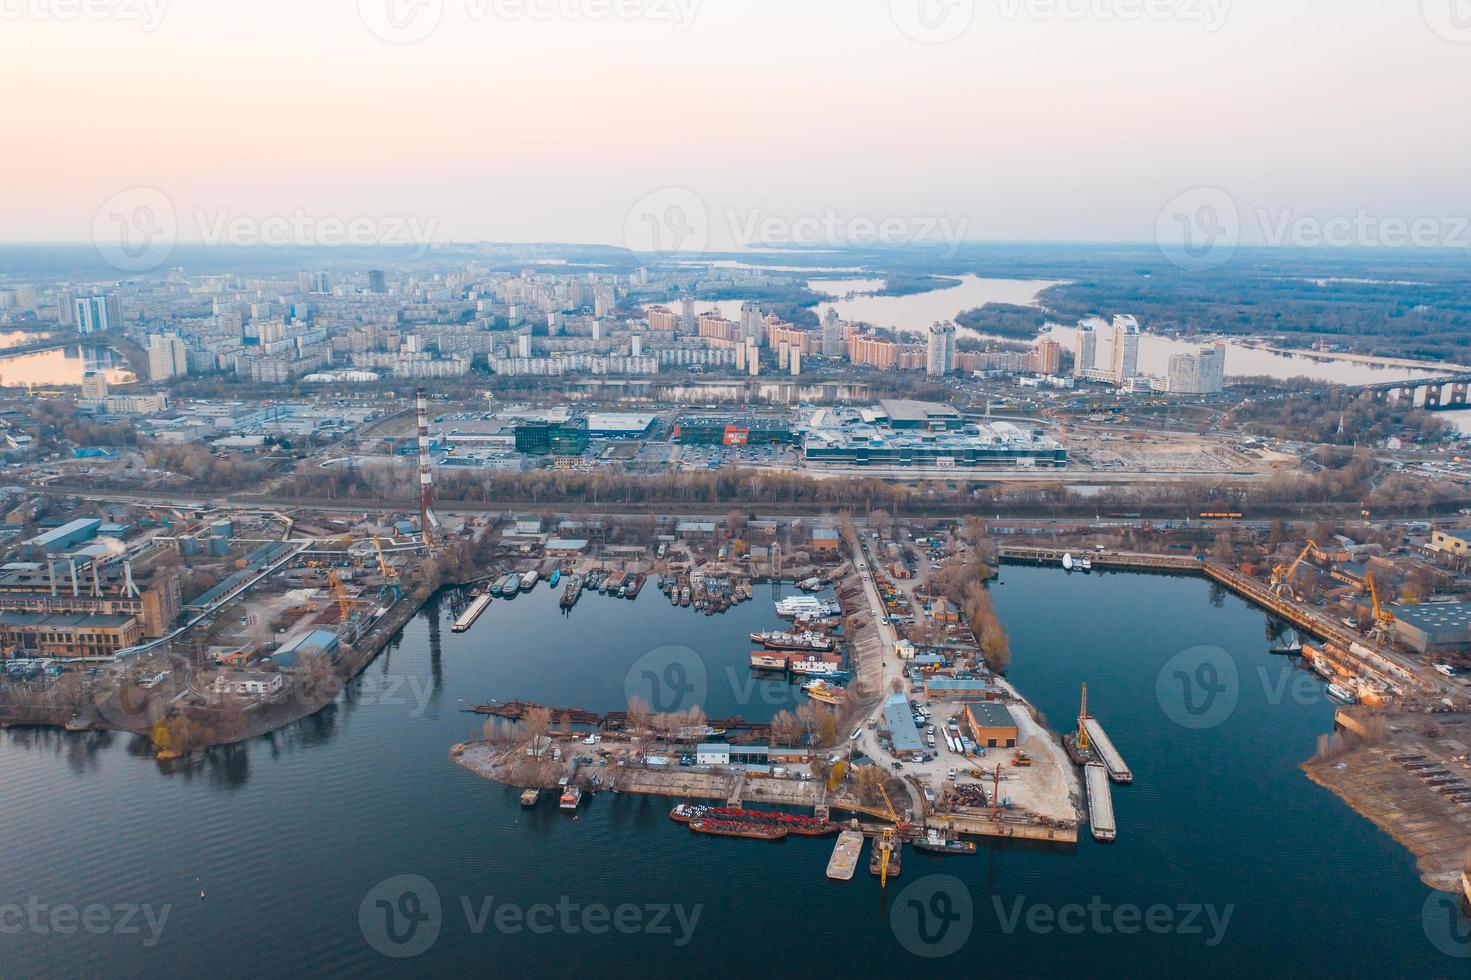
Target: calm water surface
(288, 834)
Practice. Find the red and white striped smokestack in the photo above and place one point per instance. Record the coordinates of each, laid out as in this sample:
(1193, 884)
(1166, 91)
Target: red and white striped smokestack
(426, 473)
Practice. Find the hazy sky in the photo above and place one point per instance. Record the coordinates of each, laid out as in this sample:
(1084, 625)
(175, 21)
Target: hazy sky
(535, 120)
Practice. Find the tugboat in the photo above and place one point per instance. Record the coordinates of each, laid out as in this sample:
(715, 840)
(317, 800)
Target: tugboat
(936, 843)
(1291, 648)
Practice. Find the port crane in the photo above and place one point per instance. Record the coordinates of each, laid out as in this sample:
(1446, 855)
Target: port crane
(390, 574)
(339, 595)
(886, 843)
(1383, 618)
(1283, 575)
(1082, 724)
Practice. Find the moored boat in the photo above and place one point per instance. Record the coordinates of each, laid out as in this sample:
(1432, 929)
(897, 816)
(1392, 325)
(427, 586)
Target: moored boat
(1340, 693)
(529, 797)
(936, 843)
(556, 577)
(804, 641)
(822, 692)
(737, 828)
(529, 580)
(571, 798)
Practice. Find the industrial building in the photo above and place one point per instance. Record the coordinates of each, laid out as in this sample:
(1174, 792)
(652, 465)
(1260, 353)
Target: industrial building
(910, 434)
(1457, 543)
(73, 586)
(899, 719)
(727, 430)
(67, 635)
(990, 725)
(1434, 628)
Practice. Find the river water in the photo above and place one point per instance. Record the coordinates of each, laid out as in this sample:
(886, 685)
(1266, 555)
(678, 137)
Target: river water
(62, 367)
(289, 836)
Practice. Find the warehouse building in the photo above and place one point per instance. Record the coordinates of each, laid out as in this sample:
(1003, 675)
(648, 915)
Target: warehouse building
(991, 726)
(1434, 628)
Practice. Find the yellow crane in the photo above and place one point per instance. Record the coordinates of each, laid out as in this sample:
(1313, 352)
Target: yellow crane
(390, 574)
(1383, 618)
(340, 595)
(887, 842)
(1284, 574)
(1083, 722)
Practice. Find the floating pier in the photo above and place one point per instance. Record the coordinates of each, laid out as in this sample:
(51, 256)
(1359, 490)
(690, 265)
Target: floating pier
(1099, 740)
(1100, 803)
(477, 608)
(846, 851)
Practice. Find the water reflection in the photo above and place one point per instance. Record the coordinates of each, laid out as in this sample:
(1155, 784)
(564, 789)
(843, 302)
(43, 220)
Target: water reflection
(64, 366)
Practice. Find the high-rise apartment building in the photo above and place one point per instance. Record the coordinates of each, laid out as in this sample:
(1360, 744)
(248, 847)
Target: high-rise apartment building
(1125, 349)
(168, 357)
(98, 314)
(941, 359)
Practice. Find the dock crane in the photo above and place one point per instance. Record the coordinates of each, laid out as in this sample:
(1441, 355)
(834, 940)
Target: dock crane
(886, 844)
(390, 574)
(1082, 725)
(1383, 618)
(1282, 575)
(339, 594)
